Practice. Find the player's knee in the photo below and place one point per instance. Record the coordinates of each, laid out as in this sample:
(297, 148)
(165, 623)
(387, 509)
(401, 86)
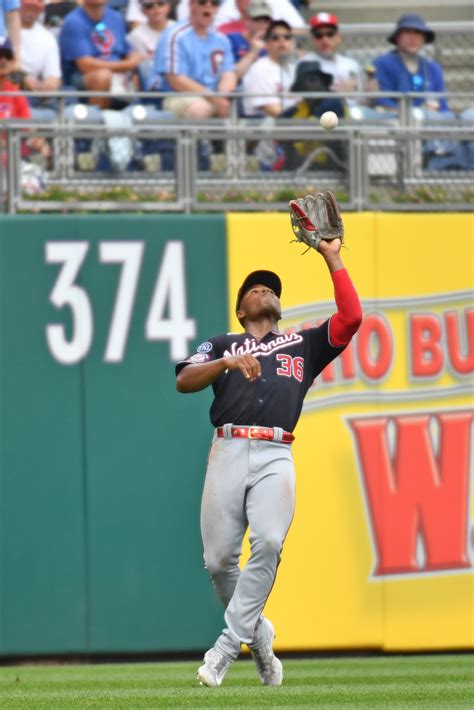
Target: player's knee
(268, 545)
(217, 564)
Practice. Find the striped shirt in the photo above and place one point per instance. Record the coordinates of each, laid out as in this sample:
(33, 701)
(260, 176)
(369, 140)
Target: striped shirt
(181, 51)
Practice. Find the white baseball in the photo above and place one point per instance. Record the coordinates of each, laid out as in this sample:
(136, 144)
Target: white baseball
(329, 120)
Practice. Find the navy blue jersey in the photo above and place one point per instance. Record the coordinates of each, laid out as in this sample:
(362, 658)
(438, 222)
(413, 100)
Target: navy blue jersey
(289, 363)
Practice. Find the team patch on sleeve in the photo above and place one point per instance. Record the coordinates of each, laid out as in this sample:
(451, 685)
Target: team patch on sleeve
(199, 357)
(204, 347)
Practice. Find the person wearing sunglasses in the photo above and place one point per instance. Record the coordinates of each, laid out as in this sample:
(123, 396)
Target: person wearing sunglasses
(193, 58)
(144, 37)
(326, 40)
(271, 76)
(95, 52)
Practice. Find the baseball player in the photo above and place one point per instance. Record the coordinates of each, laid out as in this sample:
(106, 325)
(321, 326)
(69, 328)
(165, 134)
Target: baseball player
(259, 378)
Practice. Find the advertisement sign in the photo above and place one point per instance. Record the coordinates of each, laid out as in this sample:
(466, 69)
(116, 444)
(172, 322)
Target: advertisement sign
(381, 549)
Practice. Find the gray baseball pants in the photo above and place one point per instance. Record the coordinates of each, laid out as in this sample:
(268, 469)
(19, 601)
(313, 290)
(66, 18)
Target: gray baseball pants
(249, 483)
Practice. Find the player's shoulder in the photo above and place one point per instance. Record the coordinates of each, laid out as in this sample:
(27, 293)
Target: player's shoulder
(310, 332)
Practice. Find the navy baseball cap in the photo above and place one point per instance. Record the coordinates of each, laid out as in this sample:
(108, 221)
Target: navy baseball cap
(266, 278)
(6, 47)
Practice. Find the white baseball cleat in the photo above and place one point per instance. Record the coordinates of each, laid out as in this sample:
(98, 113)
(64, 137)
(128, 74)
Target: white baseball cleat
(215, 666)
(269, 668)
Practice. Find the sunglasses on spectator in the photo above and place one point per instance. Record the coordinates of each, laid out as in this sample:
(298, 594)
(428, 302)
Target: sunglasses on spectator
(320, 34)
(154, 3)
(275, 38)
(209, 2)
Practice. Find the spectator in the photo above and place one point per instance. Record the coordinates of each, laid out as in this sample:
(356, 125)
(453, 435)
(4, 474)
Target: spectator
(231, 11)
(249, 45)
(10, 106)
(39, 60)
(192, 57)
(280, 9)
(326, 39)
(272, 74)
(144, 38)
(403, 69)
(10, 25)
(95, 52)
(16, 106)
(239, 24)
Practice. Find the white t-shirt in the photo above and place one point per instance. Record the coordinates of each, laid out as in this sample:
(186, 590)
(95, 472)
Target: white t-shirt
(39, 52)
(228, 12)
(269, 77)
(144, 39)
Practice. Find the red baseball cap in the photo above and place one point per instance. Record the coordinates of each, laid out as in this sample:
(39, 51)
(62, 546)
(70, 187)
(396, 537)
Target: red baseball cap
(324, 19)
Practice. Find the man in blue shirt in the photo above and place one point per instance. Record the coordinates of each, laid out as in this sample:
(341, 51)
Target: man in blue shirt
(192, 57)
(95, 51)
(10, 23)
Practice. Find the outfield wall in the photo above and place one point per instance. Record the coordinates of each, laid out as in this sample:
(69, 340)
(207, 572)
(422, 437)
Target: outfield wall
(102, 462)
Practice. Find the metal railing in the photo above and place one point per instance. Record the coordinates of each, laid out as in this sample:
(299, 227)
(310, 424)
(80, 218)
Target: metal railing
(221, 164)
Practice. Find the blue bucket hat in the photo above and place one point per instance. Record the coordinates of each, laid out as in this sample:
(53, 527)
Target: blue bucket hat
(412, 22)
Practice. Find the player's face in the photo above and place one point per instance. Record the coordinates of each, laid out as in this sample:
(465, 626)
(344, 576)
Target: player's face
(260, 301)
(326, 40)
(410, 41)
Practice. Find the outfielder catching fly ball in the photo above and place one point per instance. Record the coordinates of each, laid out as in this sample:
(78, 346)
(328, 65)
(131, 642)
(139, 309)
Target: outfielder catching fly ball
(260, 378)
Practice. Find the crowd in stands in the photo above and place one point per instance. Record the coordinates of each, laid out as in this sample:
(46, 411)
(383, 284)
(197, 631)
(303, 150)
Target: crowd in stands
(260, 49)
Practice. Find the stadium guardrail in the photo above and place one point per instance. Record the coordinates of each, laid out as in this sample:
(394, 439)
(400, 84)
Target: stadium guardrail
(152, 161)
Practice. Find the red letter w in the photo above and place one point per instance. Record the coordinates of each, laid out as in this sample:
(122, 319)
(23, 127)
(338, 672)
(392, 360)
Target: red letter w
(414, 492)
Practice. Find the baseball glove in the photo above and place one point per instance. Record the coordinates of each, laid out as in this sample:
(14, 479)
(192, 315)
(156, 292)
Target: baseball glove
(316, 217)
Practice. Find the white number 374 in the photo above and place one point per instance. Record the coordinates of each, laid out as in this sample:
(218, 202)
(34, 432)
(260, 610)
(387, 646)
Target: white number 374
(169, 296)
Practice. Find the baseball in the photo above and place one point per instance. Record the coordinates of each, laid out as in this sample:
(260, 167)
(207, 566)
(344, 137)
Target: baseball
(329, 120)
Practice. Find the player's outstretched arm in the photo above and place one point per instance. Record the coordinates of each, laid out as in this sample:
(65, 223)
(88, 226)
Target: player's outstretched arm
(194, 378)
(345, 323)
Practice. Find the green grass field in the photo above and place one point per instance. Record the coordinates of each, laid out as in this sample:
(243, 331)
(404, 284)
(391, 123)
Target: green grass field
(429, 681)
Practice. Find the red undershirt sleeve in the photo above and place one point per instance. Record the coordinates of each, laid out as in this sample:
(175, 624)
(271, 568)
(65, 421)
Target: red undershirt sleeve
(345, 323)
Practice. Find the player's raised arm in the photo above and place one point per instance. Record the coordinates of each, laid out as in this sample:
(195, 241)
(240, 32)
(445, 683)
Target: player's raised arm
(317, 222)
